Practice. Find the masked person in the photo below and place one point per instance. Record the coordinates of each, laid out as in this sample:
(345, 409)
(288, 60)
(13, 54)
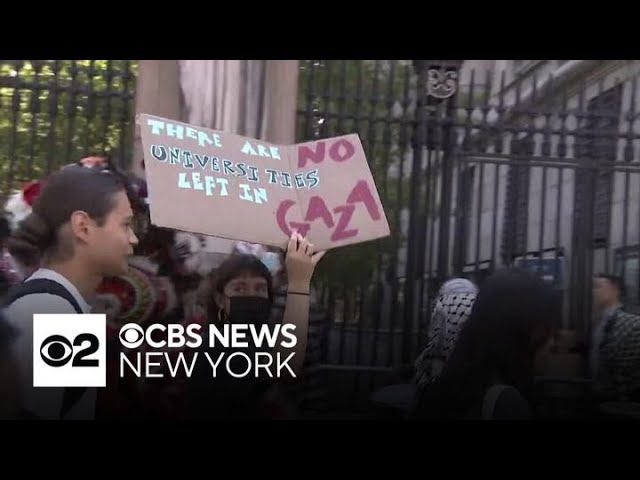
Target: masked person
(241, 292)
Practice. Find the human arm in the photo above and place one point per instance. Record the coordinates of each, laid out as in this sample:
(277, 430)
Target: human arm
(300, 263)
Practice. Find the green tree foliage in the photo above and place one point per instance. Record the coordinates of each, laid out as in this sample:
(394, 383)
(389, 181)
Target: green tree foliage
(375, 100)
(54, 112)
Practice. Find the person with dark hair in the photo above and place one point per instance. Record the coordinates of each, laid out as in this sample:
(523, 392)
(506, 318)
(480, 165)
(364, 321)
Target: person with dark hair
(614, 353)
(240, 291)
(490, 374)
(608, 293)
(80, 230)
(17, 208)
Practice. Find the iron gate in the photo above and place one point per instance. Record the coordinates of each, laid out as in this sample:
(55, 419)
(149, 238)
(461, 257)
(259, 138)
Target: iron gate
(472, 177)
(54, 112)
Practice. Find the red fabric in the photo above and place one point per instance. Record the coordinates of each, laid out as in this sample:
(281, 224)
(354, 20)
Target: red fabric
(31, 191)
(95, 161)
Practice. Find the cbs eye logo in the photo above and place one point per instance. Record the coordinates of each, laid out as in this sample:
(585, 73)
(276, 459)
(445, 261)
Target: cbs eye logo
(56, 351)
(69, 350)
(131, 335)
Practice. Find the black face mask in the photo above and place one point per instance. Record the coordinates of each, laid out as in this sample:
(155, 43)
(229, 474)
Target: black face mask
(251, 310)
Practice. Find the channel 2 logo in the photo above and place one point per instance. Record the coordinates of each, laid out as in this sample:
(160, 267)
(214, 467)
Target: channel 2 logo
(69, 350)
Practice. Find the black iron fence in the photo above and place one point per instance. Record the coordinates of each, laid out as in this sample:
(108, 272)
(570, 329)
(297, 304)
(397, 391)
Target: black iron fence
(54, 112)
(536, 172)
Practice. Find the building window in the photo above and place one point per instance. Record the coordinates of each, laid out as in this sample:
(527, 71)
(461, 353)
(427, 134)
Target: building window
(550, 266)
(478, 273)
(597, 140)
(464, 207)
(516, 213)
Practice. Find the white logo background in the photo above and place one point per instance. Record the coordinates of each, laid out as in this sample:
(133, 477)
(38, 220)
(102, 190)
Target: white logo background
(72, 353)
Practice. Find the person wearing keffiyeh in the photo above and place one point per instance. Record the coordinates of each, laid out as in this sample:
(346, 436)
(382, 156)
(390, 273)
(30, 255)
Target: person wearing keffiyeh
(452, 309)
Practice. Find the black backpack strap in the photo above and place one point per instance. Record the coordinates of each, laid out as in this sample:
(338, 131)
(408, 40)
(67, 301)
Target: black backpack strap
(44, 285)
(7, 334)
(41, 285)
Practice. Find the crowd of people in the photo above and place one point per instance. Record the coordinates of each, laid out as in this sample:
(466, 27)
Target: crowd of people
(487, 351)
(80, 241)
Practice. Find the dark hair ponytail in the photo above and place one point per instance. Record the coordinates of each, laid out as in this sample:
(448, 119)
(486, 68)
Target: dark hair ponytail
(71, 189)
(5, 228)
(30, 240)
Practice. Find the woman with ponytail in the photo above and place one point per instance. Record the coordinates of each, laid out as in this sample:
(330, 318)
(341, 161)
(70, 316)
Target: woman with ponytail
(79, 231)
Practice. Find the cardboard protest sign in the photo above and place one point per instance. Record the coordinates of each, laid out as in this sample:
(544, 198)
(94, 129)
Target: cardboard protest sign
(226, 185)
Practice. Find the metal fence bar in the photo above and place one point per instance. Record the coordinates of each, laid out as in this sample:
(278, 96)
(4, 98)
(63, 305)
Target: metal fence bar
(395, 311)
(414, 198)
(54, 112)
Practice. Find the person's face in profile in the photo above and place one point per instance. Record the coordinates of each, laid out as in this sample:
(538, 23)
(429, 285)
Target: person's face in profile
(605, 294)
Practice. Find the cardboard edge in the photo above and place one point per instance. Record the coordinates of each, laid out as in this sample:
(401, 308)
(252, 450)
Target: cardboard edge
(139, 116)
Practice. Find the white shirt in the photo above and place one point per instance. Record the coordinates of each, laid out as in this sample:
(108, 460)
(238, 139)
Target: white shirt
(45, 402)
